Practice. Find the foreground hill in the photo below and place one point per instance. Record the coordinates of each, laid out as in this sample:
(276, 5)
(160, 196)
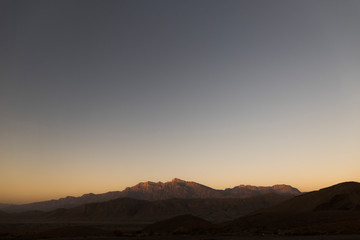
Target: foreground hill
(335, 209)
(342, 196)
(152, 191)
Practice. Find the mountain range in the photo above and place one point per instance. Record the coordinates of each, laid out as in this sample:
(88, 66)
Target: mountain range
(332, 210)
(269, 211)
(151, 191)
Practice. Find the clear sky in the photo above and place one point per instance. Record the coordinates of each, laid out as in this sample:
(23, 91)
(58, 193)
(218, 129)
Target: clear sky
(100, 95)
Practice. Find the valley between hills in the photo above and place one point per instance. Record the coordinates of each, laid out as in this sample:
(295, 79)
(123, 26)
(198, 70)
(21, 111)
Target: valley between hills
(180, 208)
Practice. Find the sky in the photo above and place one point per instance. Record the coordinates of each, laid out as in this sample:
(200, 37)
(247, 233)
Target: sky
(96, 96)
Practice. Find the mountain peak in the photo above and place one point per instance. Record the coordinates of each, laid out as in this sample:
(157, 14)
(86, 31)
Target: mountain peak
(178, 180)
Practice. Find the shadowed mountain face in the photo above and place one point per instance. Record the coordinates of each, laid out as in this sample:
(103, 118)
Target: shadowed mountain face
(134, 210)
(335, 209)
(152, 191)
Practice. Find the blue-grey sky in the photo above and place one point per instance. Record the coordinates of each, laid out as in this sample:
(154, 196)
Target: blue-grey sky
(99, 95)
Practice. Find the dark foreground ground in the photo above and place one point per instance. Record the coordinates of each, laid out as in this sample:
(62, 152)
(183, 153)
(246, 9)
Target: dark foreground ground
(119, 231)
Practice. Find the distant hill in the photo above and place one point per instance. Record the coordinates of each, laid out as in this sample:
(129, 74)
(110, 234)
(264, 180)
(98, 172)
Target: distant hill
(152, 191)
(66, 202)
(334, 210)
(248, 190)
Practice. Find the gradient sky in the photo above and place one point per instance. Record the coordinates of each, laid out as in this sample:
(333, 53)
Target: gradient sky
(100, 95)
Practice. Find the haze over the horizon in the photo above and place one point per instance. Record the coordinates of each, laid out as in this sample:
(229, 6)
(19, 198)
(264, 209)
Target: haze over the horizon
(96, 96)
